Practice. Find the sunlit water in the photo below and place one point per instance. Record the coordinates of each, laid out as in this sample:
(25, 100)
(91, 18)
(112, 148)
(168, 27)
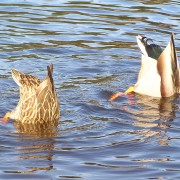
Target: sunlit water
(93, 48)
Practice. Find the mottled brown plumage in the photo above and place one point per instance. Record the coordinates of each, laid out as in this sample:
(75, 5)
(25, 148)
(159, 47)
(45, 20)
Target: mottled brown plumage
(38, 101)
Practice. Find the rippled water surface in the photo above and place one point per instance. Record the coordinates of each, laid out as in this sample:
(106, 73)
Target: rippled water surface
(93, 48)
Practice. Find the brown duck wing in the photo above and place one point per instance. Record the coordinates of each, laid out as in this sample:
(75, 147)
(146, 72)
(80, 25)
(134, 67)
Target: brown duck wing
(24, 81)
(42, 105)
(38, 99)
(46, 98)
(168, 68)
(27, 83)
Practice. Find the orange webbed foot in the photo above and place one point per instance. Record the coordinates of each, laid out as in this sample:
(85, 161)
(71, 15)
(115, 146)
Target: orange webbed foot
(129, 91)
(5, 118)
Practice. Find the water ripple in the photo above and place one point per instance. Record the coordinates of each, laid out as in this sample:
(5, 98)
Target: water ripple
(93, 48)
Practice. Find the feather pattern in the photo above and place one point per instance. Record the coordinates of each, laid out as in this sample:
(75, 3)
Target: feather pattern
(158, 77)
(38, 101)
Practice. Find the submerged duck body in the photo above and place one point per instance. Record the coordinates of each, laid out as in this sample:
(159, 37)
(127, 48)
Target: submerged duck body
(159, 72)
(38, 103)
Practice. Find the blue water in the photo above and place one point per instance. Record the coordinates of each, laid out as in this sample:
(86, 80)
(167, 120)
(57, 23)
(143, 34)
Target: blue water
(94, 51)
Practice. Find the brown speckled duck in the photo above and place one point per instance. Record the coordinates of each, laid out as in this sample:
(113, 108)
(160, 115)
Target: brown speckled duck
(38, 103)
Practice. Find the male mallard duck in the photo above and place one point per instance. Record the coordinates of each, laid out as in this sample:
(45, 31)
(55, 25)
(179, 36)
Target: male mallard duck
(38, 103)
(159, 72)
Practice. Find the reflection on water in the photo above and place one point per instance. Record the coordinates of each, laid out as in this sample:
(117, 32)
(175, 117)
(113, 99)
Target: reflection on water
(36, 148)
(153, 115)
(93, 48)
(43, 130)
(37, 156)
(152, 109)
